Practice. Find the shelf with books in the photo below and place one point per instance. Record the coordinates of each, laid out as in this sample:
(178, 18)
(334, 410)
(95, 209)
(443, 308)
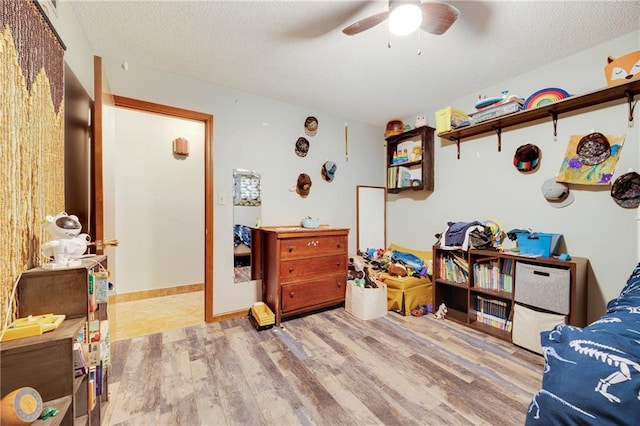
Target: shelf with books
(453, 267)
(410, 160)
(485, 300)
(81, 294)
(493, 273)
(495, 313)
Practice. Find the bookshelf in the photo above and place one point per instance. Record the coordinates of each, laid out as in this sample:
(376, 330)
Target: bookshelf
(479, 287)
(410, 161)
(49, 362)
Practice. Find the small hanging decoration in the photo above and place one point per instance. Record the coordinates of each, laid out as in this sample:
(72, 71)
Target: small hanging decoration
(181, 146)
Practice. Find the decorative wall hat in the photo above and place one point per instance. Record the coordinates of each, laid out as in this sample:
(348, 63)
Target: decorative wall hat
(328, 170)
(304, 185)
(310, 126)
(526, 158)
(625, 191)
(302, 147)
(593, 149)
(591, 159)
(556, 193)
(394, 127)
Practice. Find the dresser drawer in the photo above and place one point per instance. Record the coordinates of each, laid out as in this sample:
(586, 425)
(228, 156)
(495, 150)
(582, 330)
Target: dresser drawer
(543, 287)
(304, 269)
(293, 248)
(309, 294)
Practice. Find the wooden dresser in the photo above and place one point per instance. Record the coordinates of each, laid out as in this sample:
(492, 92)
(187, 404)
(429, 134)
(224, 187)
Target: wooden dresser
(303, 269)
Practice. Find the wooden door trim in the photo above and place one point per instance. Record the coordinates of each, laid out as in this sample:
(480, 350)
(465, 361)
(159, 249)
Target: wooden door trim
(207, 119)
(103, 96)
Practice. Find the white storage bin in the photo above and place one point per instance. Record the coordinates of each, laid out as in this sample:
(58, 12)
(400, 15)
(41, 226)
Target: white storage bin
(528, 324)
(543, 287)
(366, 303)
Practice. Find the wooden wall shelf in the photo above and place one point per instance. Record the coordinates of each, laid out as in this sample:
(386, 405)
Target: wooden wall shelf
(422, 167)
(573, 103)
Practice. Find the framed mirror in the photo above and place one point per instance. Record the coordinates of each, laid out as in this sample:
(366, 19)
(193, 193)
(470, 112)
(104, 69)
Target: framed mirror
(247, 204)
(371, 215)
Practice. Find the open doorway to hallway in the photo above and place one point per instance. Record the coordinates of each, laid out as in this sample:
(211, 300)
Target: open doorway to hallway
(163, 218)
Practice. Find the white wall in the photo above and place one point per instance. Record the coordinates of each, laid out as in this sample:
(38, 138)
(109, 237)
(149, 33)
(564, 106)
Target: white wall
(484, 184)
(159, 202)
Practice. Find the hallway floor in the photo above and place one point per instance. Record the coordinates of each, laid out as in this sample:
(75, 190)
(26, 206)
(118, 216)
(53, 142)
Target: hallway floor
(154, 315)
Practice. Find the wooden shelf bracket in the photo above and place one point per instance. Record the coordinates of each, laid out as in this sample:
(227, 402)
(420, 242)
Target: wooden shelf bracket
(632, 106)
(499, 133)
(458, 146)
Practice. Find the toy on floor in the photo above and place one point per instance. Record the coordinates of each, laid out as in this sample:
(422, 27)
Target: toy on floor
(422, 309)
(441, 313)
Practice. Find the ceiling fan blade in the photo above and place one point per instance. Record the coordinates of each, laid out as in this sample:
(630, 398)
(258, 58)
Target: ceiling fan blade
(437, 18)
(366, 23)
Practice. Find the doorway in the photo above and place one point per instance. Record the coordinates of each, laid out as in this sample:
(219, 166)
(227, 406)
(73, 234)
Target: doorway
(207, 121)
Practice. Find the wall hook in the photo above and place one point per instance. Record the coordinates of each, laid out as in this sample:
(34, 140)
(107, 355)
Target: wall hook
(554, 115)
(499, 133)
(632, 106)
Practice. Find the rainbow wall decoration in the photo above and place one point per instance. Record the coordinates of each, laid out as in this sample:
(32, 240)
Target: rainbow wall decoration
(544, 97)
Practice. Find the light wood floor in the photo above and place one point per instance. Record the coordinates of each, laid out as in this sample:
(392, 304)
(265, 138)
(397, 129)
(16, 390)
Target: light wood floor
(153, 315)
(328, 368)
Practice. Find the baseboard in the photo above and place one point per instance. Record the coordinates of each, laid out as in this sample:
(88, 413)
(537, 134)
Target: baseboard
(157, 292)
(230, 315)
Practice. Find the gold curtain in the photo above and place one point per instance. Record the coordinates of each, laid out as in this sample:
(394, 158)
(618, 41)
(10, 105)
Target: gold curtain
(31, 139)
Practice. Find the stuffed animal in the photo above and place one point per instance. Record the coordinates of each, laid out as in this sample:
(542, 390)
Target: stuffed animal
(397, 269)
(622, 69)
(441, 313)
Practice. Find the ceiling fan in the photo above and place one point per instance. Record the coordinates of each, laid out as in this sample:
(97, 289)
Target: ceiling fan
(405, 16)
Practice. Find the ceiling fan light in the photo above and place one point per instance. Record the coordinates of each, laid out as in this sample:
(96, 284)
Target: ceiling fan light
(405, 18)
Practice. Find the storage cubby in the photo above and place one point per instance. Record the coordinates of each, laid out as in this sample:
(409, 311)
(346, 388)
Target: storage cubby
(491, 287)
(410, 160)
(46, 362)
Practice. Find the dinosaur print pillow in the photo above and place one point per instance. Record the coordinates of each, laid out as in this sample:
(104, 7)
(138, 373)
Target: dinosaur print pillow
(592, 374)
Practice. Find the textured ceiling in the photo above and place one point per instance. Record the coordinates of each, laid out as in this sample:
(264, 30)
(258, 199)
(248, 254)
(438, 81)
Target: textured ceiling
(294, 51)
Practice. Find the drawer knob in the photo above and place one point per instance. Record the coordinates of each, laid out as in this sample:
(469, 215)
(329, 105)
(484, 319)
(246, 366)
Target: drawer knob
(290, 270)
(291, 294)
(339, 284)
(290, 249)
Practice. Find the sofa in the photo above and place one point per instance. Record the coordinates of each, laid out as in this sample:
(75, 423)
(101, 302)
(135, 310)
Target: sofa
(592, 375)
(406, 293)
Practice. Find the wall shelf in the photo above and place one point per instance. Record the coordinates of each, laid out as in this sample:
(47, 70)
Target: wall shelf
(573, 103)
(421, 168)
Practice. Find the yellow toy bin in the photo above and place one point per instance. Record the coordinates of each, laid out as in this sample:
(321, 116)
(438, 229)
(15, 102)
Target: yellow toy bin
(449, 118)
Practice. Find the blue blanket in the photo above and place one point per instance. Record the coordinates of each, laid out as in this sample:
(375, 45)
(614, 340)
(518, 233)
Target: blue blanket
(241, 235)
(592, 374)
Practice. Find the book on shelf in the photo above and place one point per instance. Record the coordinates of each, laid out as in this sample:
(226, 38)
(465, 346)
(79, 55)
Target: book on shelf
(94, 331)
(492, 312)
(80, 367)
(452, 268)
(101, 286)
(92, 388)
(93, 353)
(404, 177)
(392, 177)
(105, 343)
(494, 273)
